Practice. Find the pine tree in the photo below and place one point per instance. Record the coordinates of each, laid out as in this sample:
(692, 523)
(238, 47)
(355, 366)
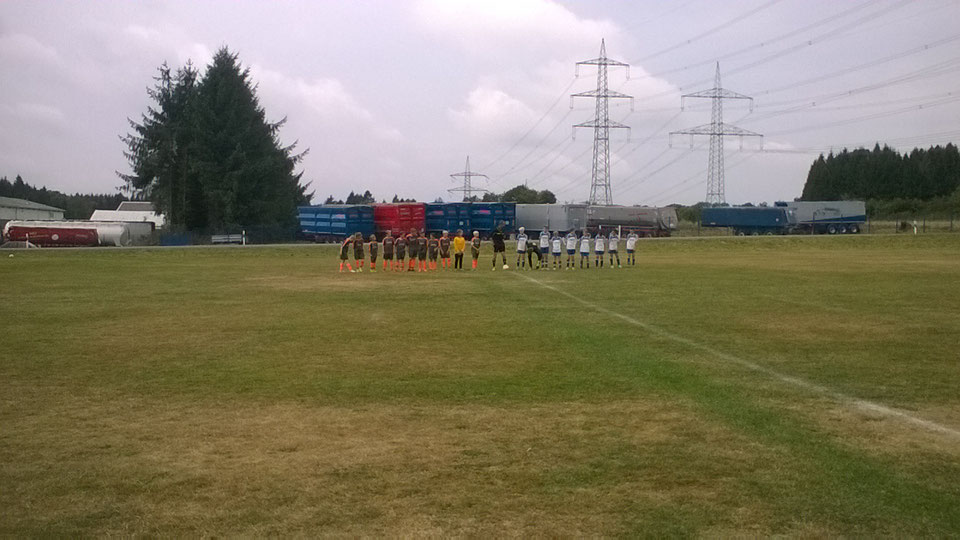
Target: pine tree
(159, 147)
(206, 156)
(244, 175)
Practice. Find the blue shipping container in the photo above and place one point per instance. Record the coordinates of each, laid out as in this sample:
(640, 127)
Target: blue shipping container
(447, 217)
(336, 220)
(484, 217)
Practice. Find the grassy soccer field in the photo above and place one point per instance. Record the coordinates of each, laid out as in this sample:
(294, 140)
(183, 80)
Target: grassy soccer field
(799, 386)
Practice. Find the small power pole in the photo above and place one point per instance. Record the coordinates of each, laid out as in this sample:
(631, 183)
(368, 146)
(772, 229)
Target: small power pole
(600, 177)
(717, 130)
(467, 176)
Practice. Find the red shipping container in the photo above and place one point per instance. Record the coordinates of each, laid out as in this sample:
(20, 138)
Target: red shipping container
(399, 217)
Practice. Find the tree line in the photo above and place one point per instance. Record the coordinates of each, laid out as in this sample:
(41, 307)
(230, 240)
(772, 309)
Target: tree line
(76, 206)
(883, 174)
(519, 194)
(206, 156)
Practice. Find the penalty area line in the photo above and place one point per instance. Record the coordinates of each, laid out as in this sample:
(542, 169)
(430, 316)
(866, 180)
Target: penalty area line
(857, 403)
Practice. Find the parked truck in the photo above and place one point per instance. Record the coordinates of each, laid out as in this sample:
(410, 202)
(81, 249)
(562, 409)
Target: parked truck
(555, 217)
(747, 220)
(797, 217)
(826, 217)
(643, 220)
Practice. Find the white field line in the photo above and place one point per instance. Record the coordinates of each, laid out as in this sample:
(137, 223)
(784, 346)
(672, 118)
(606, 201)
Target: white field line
(855, 403)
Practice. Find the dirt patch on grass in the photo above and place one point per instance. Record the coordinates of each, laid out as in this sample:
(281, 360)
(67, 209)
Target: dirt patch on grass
(819, 327)
(331, 280)
(142, 466)
(322, 281)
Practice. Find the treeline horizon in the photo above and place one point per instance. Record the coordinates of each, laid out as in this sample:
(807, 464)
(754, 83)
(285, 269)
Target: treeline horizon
(884, 174)
(519, 194)
(74, 206)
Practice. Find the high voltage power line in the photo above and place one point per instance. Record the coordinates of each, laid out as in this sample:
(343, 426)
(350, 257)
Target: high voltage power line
(526, 134)
(790, 50)
(554, 152)
(761, 44)
(710, 31)
(852, 69)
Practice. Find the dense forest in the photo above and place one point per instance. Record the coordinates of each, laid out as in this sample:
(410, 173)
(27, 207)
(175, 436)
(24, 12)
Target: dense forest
(890, 182)
(76, 206)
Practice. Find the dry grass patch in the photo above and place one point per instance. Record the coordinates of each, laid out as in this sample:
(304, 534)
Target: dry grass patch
(95, 466)
(876, 432)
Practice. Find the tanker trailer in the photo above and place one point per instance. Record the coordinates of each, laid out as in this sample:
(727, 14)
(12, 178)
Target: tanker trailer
(644, 220)
(51, 233)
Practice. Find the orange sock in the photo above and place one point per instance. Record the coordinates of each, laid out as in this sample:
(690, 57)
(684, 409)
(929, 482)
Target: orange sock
(474, 264)
(341, 267)
(350, 268)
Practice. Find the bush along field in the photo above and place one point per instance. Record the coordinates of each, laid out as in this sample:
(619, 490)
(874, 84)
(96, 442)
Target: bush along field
(722, 386)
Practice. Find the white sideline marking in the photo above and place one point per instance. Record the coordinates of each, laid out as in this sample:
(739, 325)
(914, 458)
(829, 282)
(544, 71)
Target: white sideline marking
(857, 403)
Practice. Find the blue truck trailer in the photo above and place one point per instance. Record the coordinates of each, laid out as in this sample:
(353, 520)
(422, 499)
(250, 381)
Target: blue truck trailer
(448, 217)
(826, 217)
(797, 217)
(747, 220)
(484, 217)
(333, 222)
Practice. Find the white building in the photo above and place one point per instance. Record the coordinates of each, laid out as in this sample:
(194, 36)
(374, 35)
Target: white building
(20, 209)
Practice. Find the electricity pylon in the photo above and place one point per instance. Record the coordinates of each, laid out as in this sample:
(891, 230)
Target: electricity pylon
(600, 177)
(717, 130)
(467, 176)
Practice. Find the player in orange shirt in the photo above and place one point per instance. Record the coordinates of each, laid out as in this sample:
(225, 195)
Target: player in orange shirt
(445, 249)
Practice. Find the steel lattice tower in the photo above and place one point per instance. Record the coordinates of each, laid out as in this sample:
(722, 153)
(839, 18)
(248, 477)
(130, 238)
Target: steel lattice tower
(600, 178)
(467, 176)
(717, 130)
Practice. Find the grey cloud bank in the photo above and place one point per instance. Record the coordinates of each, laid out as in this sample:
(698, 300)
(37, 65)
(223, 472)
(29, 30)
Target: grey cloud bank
(391, 96)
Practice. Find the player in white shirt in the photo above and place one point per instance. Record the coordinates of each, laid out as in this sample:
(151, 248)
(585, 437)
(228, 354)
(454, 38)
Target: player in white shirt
(613, 247)
(631, 247)
(599, 246)
(571, 248)
(585, 249)
(556, 247)
(544, 248)
(521, 247)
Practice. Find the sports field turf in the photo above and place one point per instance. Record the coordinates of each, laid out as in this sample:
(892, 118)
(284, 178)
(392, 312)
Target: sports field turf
(798, 386)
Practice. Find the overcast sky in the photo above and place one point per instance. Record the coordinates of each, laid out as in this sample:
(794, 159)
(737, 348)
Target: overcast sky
(392, 96)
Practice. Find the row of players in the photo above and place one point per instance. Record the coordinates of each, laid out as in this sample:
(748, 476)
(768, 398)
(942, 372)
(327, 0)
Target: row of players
(424, 252)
